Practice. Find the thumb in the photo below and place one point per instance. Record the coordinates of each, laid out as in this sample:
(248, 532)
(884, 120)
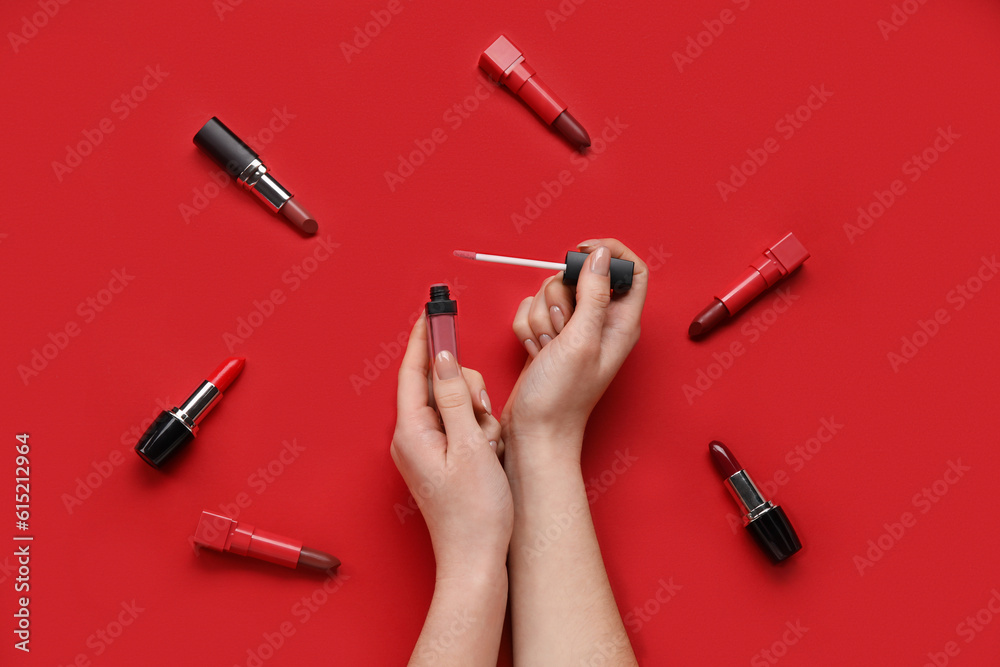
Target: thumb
(593, 292)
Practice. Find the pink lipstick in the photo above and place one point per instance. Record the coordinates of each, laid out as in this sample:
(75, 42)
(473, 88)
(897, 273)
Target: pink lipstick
(776, 263)
(174, 429)
(764, 520)
(242, 163)
(221, 533)
(505, 64)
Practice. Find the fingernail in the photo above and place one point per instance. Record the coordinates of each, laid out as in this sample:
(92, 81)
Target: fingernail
(558, 319)
(588, 244)
(600, 261)
(485, 400)
(544, 339)
(530, 346)
(445, 365)
(493, 444)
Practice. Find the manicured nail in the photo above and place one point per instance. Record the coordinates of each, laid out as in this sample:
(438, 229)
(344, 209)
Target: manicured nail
(531, 347)
(600, 261)
(445, 365)
(544, 340)
(588, 244)
(493, 444)
(557, 317)
(485, 400)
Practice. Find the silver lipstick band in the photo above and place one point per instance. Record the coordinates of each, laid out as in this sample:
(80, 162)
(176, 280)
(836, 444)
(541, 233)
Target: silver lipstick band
(197, 407)
(748, 496)
(256, 179)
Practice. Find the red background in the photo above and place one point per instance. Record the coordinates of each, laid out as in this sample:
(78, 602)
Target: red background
(661, 520)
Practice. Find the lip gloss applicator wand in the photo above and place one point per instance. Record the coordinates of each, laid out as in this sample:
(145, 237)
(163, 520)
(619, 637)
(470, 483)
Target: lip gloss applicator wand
(621, 269)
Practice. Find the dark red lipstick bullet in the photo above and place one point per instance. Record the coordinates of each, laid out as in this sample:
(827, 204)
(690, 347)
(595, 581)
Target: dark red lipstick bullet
(505, 64)
(767, 522)
(172, 430)
(774, 264)
(221, 533)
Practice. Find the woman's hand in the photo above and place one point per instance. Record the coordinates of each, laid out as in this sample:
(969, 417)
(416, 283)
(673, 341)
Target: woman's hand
(576, 342)
(447, 456)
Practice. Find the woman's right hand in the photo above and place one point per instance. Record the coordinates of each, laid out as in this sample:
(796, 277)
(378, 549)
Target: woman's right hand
(576, 342)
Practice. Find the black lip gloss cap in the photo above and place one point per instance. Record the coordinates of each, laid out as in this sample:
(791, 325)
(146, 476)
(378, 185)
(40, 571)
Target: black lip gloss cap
(228, 150)
(775, 535)
(621, 271)
(164, 438)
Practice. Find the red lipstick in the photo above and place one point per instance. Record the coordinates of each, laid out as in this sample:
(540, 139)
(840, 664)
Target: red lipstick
(242, 163)
(764, 520)
(774, 264)
(224, 534)
(505, 64)
(174, 429)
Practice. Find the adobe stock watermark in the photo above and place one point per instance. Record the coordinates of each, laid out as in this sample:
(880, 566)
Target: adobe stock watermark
(31, 24)
(696, 45)
(375, 365)
(104, 637)
(220, 179)
(302, 610)
(258, 481)
(562, 12)
(968, 629)
(454, 117)
(550, 191)
(898, 17)
(461, 623)
(958, 298)
(779, 647)
(796, 458)
(922, 501)
(294, 277)
(57, 341)
(363, 34)
(914, 168)
(786, 127)
(752, 330)
(637, 618)
(121, 107)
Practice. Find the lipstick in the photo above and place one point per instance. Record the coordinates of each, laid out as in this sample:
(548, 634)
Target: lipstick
(442, 331)
(505, 64)
(621, 269)
(764, 520)
(774, 264)
(242, 163)
(221, 533)
(174, 429)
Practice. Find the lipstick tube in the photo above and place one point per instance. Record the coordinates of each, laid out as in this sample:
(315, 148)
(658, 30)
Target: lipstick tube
(774, 264)
(173, 429)
(442, 328)
(221, 533)
(243, 164)
(766, 521)
(505, 64)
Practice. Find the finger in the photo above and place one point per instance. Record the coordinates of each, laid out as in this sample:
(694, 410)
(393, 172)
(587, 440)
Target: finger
(454, 402)
(539, 318)
(482, 406)
(522, 329)
(635, 297)
(559, 299)
(412, 392)
(593, 294)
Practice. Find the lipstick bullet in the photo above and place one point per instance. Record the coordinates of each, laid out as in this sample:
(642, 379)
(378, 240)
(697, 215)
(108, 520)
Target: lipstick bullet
(776, 263)
(176, 428)
(242, 163)
(764, 520)
(505, 64)
(221, 533)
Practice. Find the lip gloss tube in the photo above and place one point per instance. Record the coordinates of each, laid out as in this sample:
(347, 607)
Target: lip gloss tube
(442, 328)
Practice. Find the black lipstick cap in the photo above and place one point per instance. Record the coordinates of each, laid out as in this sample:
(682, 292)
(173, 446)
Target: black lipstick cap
(228, 150)
(774, 533)
(621, 271)
(162, 439)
